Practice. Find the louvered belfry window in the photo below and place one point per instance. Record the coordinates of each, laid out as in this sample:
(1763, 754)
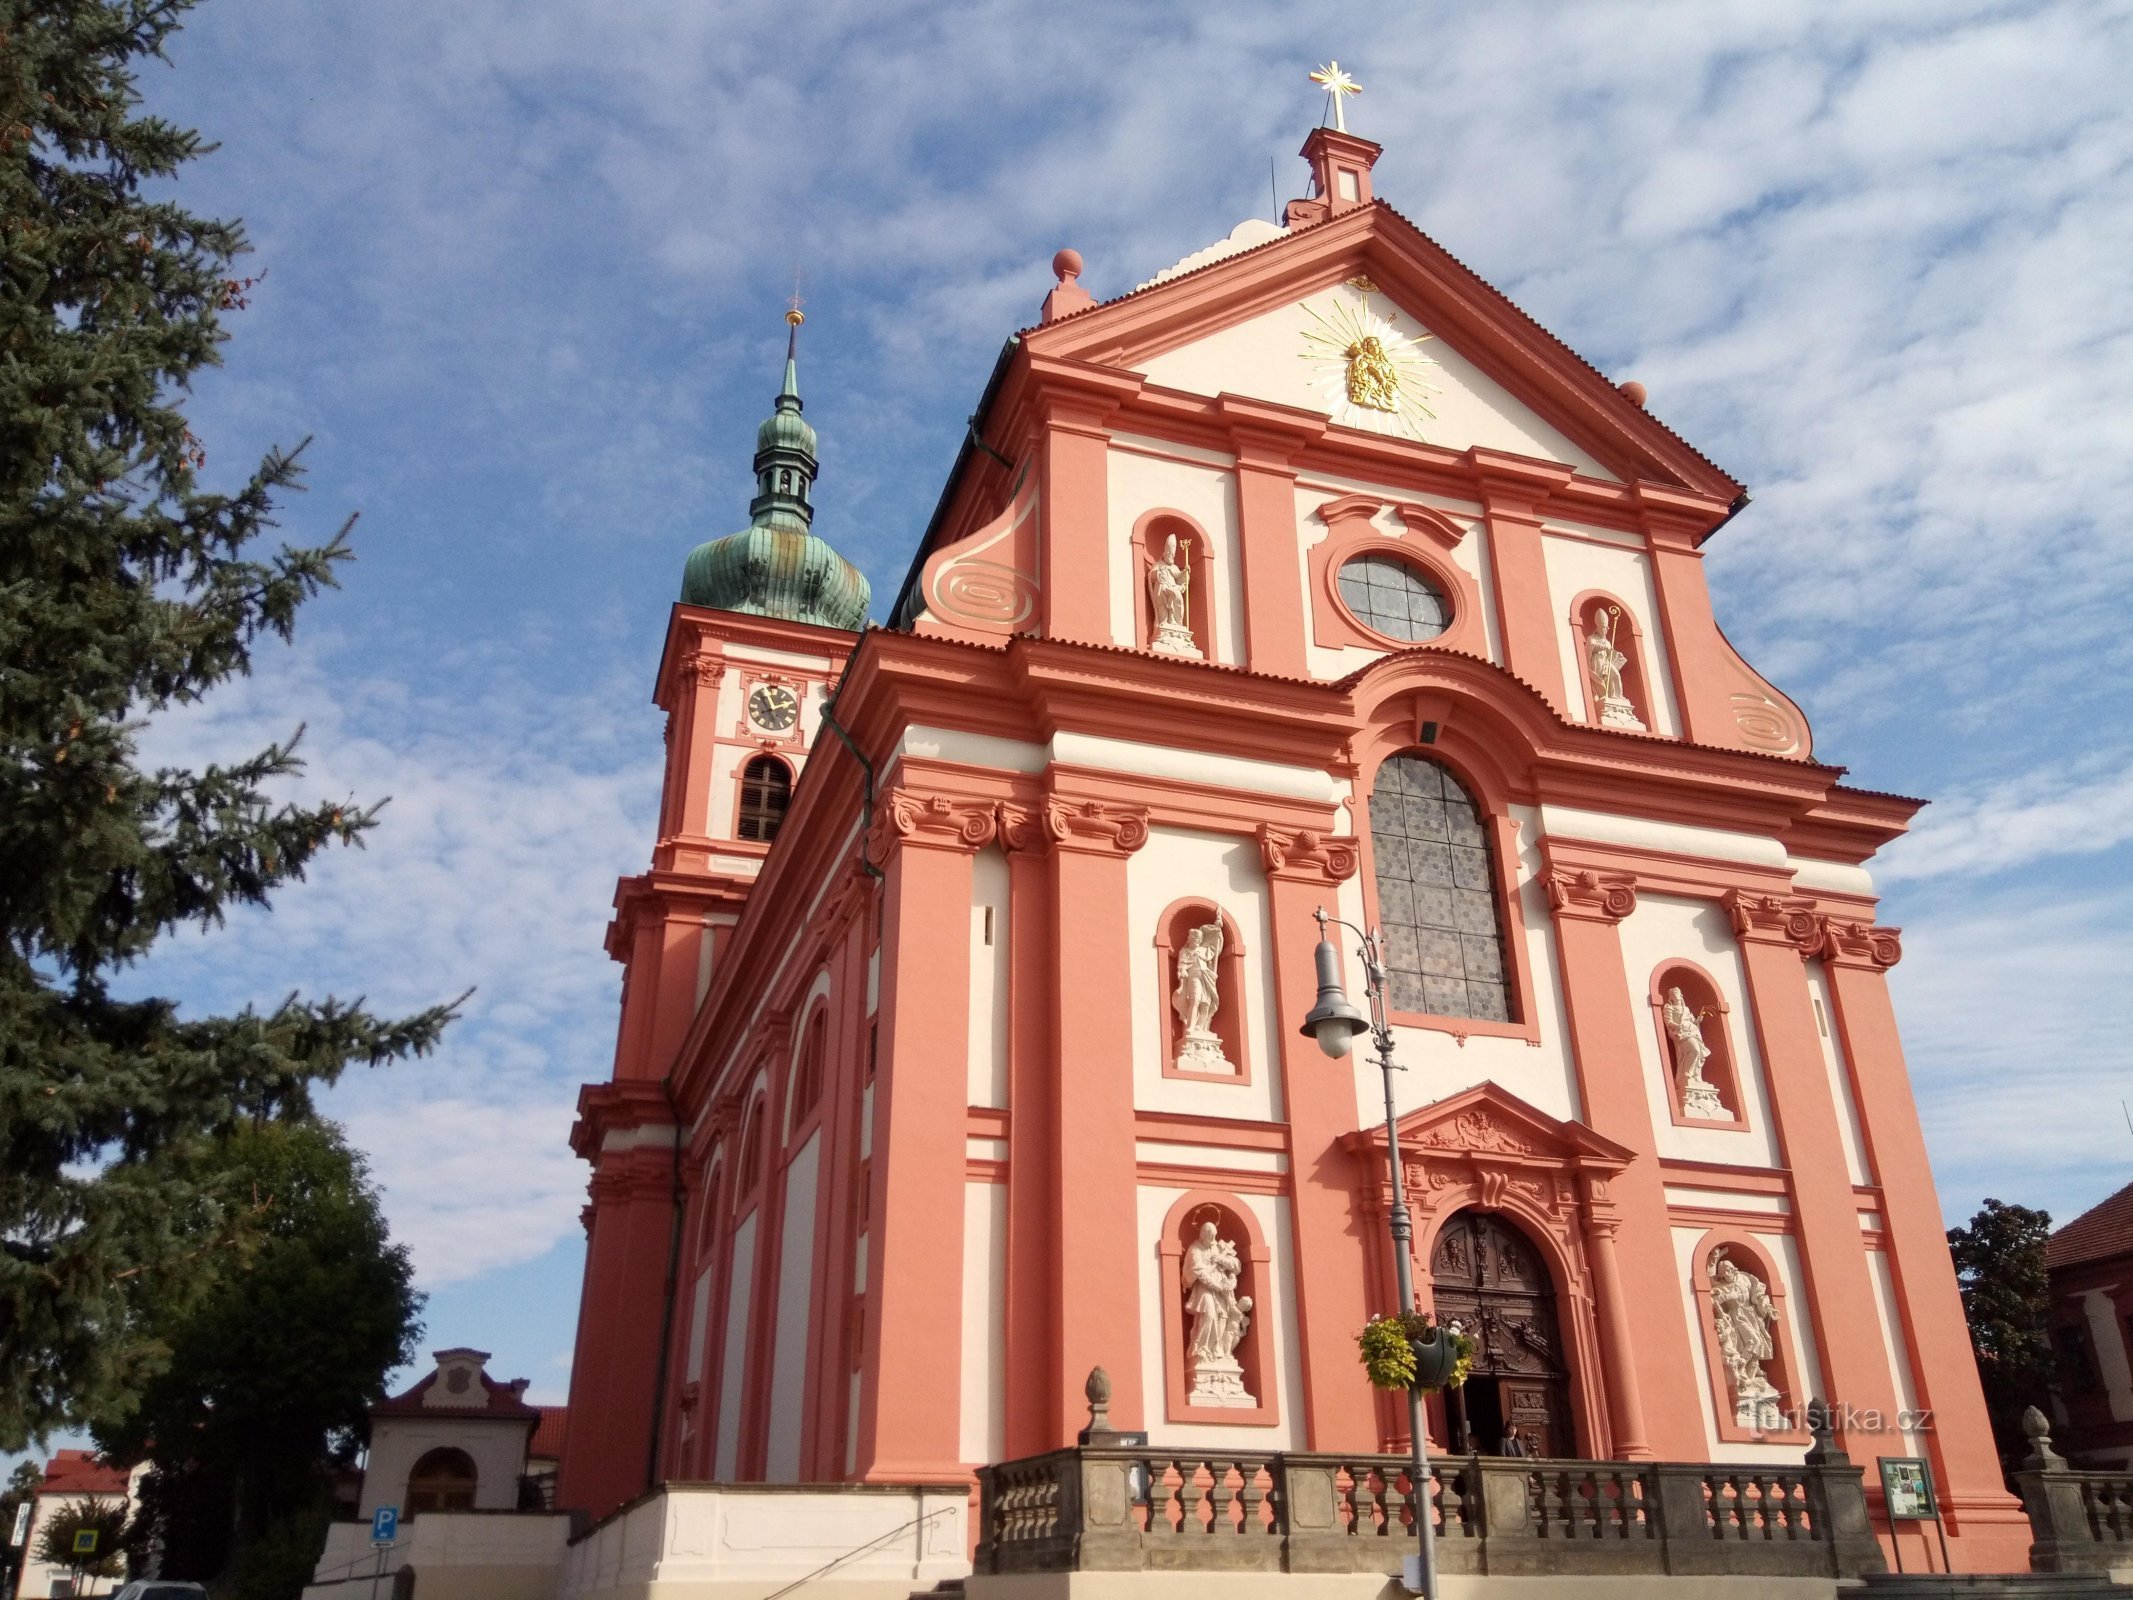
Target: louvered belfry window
(766, 790)
(1437, 894)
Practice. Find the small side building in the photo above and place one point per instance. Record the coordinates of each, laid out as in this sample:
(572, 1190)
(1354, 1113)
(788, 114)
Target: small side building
(71, 1478)
(457, 1441)
(2091, 1265)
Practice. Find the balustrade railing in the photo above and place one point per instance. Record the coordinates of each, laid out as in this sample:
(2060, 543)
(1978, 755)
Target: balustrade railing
(2078, 1521)
(1118, 1507)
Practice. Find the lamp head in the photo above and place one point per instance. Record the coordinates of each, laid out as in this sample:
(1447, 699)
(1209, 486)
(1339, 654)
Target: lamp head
(1333, 1022)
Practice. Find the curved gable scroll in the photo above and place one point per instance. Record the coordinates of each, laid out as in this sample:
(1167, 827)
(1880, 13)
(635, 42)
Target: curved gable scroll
(985, 585)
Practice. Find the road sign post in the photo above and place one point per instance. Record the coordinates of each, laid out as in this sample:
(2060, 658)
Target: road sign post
(384, 1530)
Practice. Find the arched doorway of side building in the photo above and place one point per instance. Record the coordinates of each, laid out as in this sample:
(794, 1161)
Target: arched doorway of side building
(1493, 1281)
(443, 1480)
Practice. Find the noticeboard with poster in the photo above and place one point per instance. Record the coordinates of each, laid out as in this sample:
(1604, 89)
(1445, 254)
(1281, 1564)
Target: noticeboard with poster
(1907, 1487)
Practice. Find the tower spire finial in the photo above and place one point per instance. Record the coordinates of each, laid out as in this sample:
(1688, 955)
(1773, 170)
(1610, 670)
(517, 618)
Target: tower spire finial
(1338, 86)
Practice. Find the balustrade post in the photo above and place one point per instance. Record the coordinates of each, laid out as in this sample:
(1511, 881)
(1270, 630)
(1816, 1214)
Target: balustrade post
(1501, 1493)
(2061, 1539)
(1107, 1535)
(1690, 1542)
(1836, 1492)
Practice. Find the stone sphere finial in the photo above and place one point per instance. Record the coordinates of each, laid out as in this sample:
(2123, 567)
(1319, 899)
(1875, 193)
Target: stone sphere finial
(1632, 391)
(1067, 266)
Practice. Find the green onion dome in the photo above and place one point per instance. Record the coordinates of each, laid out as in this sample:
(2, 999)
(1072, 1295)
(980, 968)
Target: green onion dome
(776, 566)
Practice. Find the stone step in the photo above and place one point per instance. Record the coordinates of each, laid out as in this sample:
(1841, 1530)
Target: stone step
(1987, 1586)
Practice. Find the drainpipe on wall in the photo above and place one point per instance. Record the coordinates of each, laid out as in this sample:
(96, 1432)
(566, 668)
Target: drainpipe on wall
(866, 771)
(666, 1315)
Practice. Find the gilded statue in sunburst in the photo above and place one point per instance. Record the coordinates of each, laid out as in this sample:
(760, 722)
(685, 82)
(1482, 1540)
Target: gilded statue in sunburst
(1373, 381)
(1374, 377)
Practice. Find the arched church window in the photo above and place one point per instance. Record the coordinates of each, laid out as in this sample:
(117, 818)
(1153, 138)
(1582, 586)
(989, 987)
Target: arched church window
(443, 1480)
(1437, 894)
(766, 790)
(751, 1153)
(807, 1078)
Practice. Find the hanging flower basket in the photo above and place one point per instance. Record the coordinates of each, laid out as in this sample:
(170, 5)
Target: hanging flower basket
(1411, 1351)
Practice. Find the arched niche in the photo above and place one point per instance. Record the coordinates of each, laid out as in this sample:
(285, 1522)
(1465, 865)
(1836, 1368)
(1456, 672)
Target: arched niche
(1759, 1256)
(1234, 1221)
(1150, 534)
(444, 1479)
(805, 1094)
(1587, 612)
(1172, 929)
(1701, 994)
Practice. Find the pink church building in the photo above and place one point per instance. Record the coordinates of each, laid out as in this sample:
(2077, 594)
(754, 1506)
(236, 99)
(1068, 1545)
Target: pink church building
(963, 990)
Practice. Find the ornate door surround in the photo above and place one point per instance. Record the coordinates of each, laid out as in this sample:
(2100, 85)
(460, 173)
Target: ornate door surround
(1485, 1150)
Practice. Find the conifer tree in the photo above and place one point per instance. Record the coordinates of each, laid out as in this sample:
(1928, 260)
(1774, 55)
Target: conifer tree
(128, 586)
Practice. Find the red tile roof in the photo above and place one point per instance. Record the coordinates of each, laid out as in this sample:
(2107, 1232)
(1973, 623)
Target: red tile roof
(80, 1472)
(2102, 1231)
(547, 1441)
(498, 1400)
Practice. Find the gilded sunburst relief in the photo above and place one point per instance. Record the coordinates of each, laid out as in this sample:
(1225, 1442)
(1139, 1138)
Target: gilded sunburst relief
(1373, 376)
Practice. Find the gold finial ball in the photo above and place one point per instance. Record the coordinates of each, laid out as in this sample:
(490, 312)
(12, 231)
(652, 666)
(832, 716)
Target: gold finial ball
(796, 316)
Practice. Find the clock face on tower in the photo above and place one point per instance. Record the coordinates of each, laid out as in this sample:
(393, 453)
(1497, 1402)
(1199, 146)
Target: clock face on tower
(773, 707)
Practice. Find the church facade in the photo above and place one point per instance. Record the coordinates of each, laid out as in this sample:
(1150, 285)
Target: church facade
(960, 1044)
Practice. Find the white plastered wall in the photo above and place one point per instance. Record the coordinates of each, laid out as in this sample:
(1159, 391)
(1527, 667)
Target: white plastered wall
(984, 1374)
(1898, 1347)
(1177, 864)
(1150, 477)
(733, 1361)
(1471, 555)
(1667, 928)
(1777, 1248)
(2110, 1348)
(1840, 1077)
(1597, 560)
(1270, 357)
(1275, 1300)
(989, 967)
(497, 1449)
(1543, 1074)
(796, 1286)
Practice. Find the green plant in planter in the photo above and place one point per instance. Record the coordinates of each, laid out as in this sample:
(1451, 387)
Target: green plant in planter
(1408, 1351)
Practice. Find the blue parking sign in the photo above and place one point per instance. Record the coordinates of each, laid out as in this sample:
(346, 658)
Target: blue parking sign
(385, 1525)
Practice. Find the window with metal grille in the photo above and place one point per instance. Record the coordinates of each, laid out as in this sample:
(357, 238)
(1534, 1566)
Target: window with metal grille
(766, 790)
(1391, 597)
(1437, 894)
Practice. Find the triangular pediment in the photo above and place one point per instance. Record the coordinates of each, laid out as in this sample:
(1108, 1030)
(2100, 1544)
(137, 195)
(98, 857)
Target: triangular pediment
(1462, 366)
(1489, 1121)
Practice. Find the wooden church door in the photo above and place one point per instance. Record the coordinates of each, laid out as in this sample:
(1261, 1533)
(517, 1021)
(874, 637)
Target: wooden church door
(1491, 1280)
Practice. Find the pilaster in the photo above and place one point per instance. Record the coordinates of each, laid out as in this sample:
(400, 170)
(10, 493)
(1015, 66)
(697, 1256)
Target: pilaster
(1304, 872)
(1074, 562)
(1275, 616)
(1589, 907)
(1512, 491)
(910, 1429)
(1704, 672)
(1774, 934)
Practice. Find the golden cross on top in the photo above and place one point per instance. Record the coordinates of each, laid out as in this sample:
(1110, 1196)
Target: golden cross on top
(793, 314)
(1339, 86)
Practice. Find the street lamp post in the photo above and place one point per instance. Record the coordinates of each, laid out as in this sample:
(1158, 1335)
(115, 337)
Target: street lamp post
(1334, 1022)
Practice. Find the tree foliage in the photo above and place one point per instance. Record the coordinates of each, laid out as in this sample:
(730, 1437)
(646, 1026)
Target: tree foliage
(105, 1516)
(268, 1381)
(128, 586)
(1999, 1261)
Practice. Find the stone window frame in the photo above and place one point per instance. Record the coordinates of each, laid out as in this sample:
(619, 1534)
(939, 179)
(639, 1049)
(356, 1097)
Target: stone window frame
(1256, 1353)
(1501, 840)
(1427, 545)
(741, 815)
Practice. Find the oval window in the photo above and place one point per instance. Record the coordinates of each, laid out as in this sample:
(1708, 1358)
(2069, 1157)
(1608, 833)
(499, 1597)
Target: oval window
(1389, 596)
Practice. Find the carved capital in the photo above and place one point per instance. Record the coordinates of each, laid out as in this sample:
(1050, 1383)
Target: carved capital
(1020, 828)
(1092, 825)
(1595, 896)
(706, 666)
(1769, 919)
(1307, 853)
(1857, 944)
(908, 818)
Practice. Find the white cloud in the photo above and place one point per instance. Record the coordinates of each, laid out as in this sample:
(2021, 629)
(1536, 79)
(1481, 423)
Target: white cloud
(2050, 812)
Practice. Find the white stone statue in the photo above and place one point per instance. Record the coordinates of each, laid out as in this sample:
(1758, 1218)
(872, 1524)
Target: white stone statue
(1607, 664)
(1169, 591)
(1220, 1317)
(1743, 1313)
(1196, 1000)
(1685, 1028)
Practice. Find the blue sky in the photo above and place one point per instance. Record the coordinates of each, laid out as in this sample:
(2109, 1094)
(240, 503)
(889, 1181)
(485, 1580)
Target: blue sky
(524, 269)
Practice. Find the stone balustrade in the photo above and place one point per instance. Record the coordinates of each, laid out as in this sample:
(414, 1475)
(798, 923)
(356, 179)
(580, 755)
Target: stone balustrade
(1113, 1507)
(2078, 1521)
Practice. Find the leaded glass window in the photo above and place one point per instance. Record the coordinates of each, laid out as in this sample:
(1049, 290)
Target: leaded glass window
(766, 790)
(1437, 894)
(1389, 596)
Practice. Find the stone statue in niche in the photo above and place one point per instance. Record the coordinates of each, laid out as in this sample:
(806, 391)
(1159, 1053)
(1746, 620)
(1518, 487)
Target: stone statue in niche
(1220, 1317)
(1685, 1029)
(1196, 999)
(1170, 592)
(1607, 663)
(1743, 1313)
